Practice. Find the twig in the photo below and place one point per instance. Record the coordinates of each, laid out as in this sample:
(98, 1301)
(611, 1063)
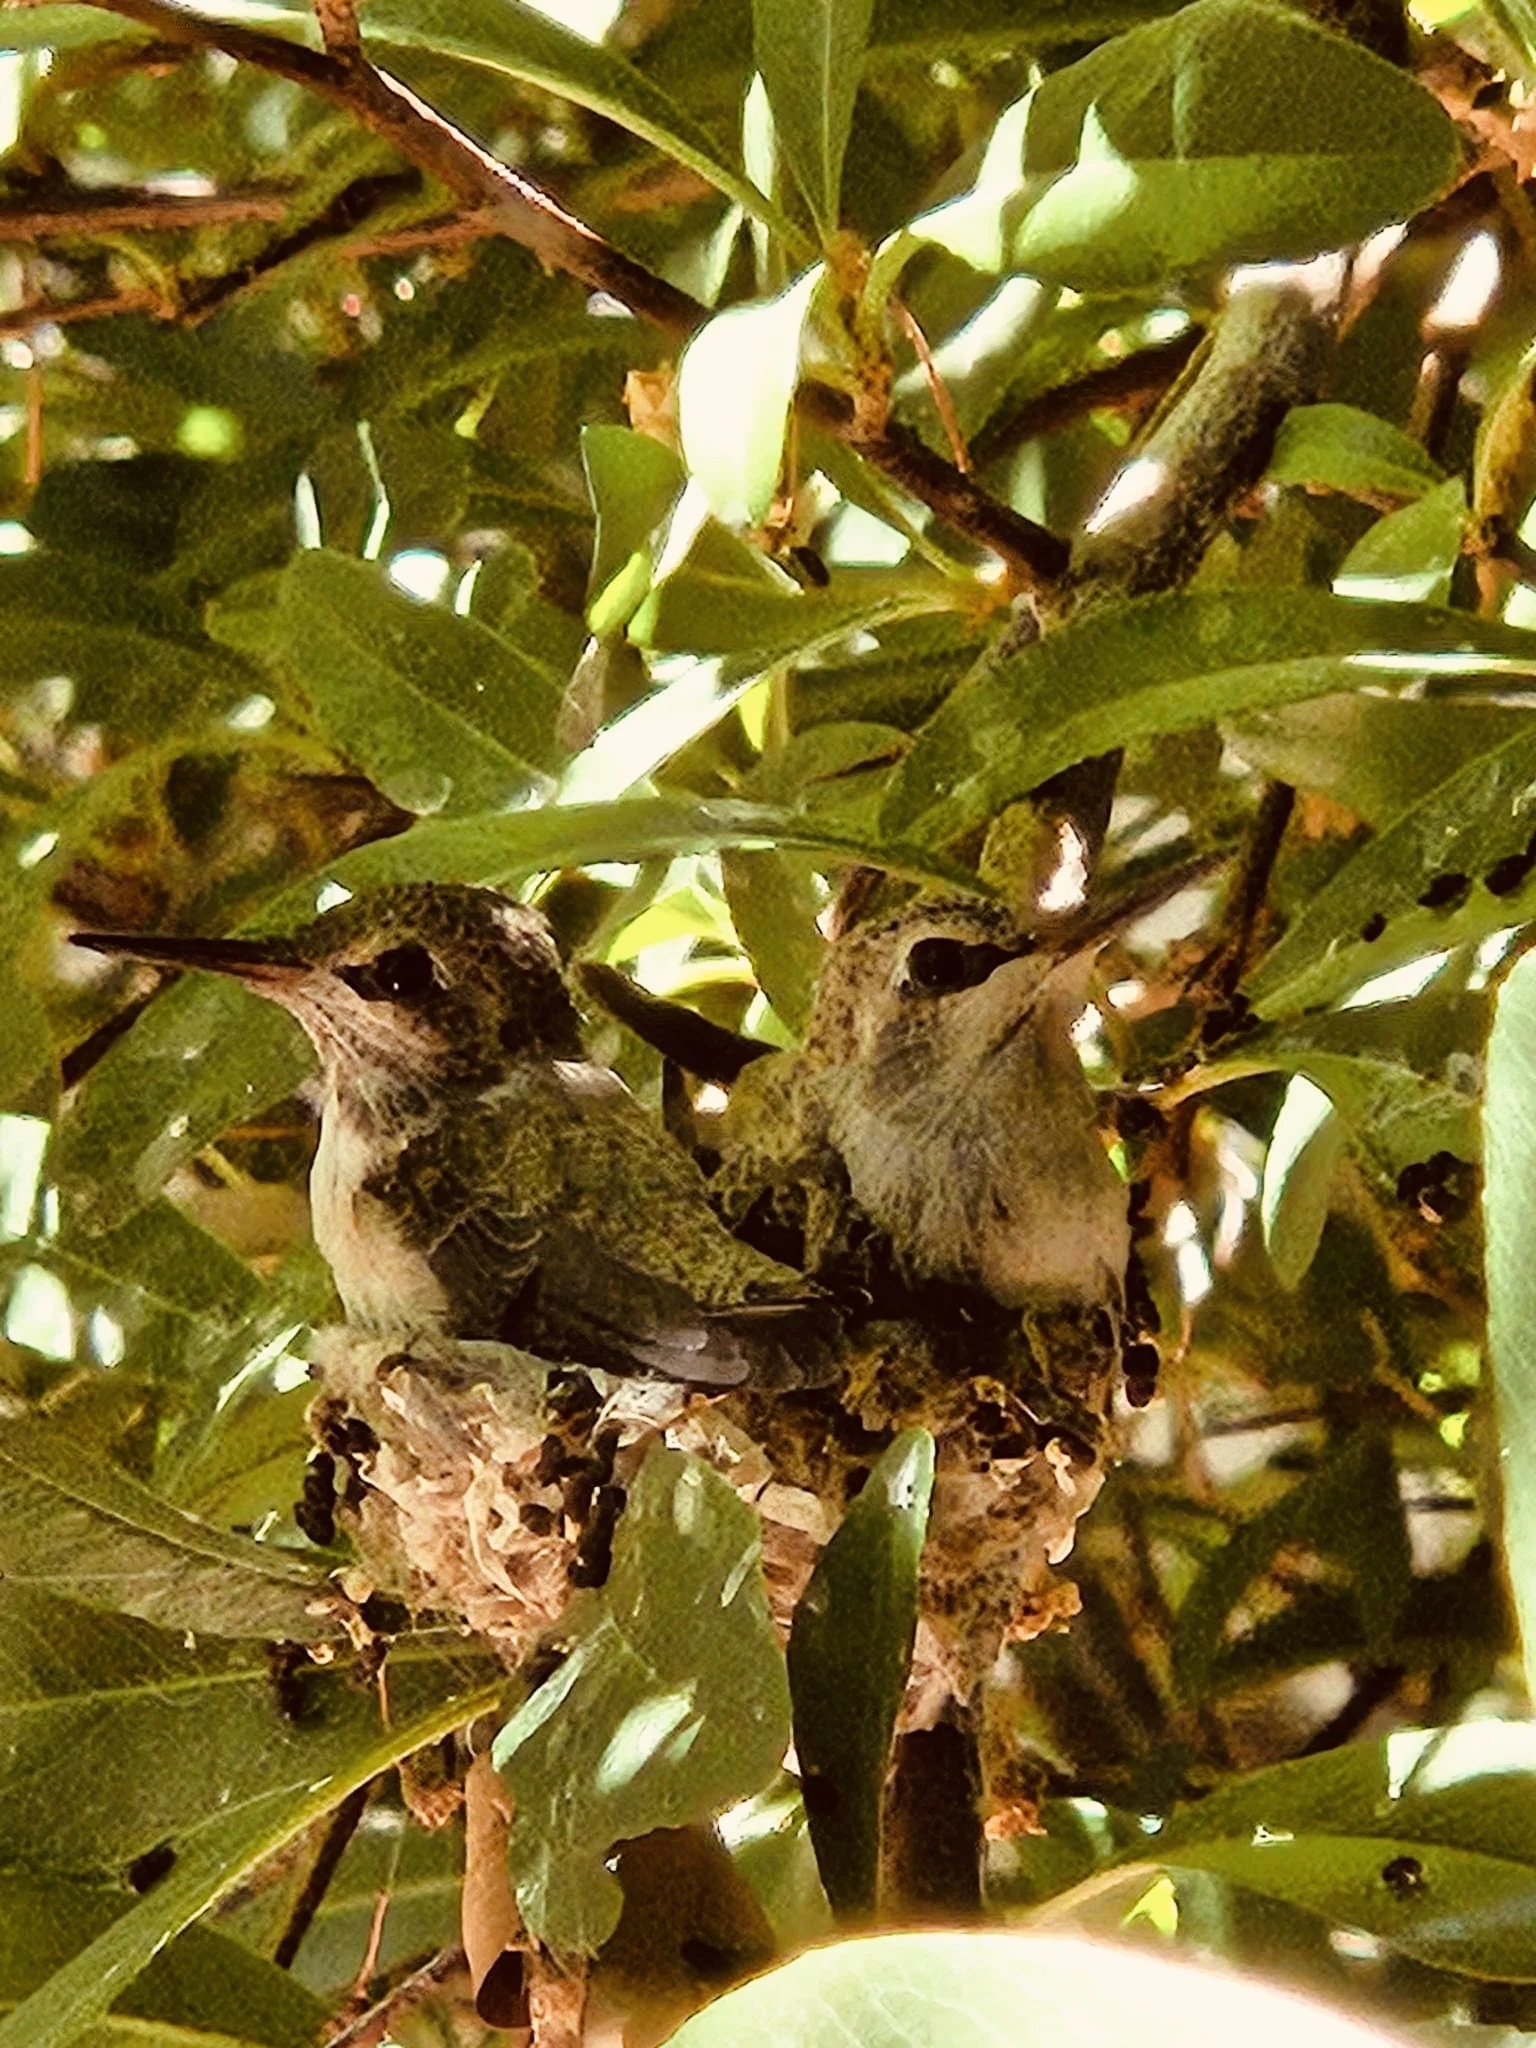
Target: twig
(370, 2027)
(348, 210)
(25, 318)
(1117, 387)
(477, 179)
(1036, 556)
(938, 390)
(340, 1832)
(520, 210)
(338, 27)
(149, 212)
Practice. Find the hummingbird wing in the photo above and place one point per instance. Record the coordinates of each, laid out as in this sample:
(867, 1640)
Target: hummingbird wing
(556, 1215)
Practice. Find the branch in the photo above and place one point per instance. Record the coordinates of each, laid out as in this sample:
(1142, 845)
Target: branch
(23, 319)
(1035, 555)
(1117, 387)
(475, 177)
(148, 212)
(512, 205)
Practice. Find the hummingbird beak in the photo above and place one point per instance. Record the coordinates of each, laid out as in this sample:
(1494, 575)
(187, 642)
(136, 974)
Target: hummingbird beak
(266, 965)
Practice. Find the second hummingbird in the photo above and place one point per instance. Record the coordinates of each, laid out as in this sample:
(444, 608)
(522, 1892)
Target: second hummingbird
(478, 1177)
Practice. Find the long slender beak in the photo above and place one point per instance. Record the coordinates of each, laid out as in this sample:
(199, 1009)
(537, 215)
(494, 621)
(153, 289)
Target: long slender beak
(266, 964)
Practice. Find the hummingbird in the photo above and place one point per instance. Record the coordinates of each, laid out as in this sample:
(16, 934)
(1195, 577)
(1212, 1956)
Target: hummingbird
(939, 1066)
(478, 1177)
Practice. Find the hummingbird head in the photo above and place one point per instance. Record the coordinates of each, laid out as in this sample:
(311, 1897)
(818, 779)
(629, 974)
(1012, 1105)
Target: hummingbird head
(422, 981)
(941, 1052)
(945, 984)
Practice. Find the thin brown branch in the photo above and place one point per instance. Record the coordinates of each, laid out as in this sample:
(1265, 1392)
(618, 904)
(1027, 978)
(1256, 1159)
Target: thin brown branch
(23, 319)
(347, 211)
(146, 212)
(938, 390)
(370, 2027)
(343, 1826)
(439, 234)
(477, 179)
(1035, 556)
(1125, 386)
(524, 213)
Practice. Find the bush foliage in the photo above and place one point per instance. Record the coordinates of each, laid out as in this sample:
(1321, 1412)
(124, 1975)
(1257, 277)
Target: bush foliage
(662, 474)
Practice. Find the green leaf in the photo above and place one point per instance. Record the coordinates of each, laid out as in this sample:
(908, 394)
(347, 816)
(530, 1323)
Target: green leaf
(634, 481)
(1374, 755)
(1410, 555)
(185, 1746)
(1341, 448)
(810, 54)
(1403, 1077)
(72, 1522)
(1236, 130)
(1322, 1832)
(735, 384)
(1009, 1990)
(1163, 664)
(438, 710)
(203, 1985)
(206, 1055)
(1509, 1155)
(497, 851)
(672, 1702)
(850, 1651)
(1370, 917)
(1304, 1149)
(774, 901)
(137, 664)
(1349, 1509)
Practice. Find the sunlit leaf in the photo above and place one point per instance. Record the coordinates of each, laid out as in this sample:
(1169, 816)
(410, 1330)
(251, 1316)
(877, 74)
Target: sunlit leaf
(734, 387)
(1012, 1990)
(672, 1702)
(1163, 664)
(1341, 448)
(1509, 1148)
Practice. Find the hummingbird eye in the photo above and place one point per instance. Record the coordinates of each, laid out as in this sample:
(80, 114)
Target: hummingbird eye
(938, 967)
(399, 975)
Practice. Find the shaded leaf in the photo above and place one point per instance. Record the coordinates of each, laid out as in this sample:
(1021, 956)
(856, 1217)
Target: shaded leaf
(810, 54)
(199, 1737)
(1341, 448)
(136, 662)
(203, 1985)
(634, 481)
(1370, 917)
(438, 710)
(1374, 755)
(206, 1054)
(672, 1702)
(850, 1651)
(1163, 664)
(1322, 1831)
(1348, 1510)
(774, 900)
(71, 1522)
